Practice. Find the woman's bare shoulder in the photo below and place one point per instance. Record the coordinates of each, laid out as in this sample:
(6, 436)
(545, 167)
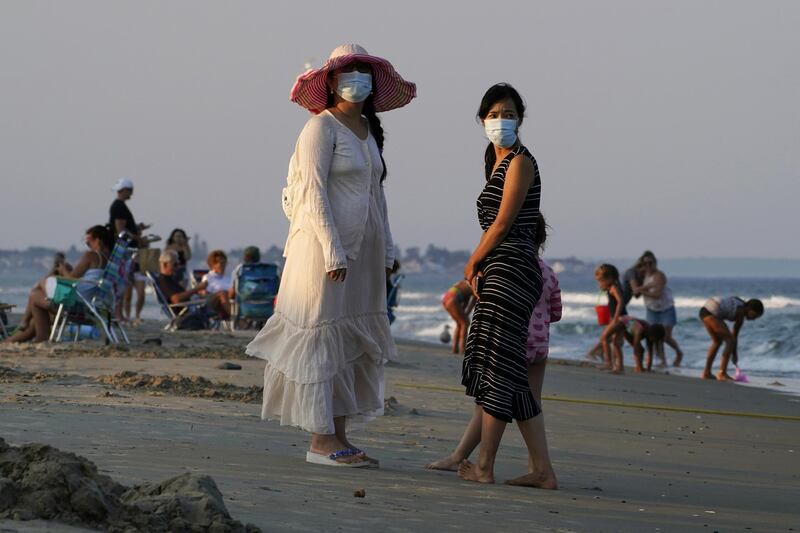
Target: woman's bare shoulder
(521, 167)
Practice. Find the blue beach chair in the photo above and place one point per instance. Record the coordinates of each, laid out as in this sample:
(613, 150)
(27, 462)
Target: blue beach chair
(96, 305)
(255, 288)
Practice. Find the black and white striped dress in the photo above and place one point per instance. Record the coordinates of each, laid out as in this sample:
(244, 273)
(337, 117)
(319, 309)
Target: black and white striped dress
(495, 370)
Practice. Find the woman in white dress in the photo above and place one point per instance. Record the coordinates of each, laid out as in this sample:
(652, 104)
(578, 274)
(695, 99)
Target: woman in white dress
(328, 341)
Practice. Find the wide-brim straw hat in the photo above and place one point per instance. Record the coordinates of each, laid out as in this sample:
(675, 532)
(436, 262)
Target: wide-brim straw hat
(389, 89)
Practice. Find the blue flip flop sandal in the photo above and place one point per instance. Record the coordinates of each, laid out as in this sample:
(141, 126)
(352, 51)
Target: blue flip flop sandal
(330, 459)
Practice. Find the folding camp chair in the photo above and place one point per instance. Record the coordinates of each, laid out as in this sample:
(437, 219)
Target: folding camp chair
(175, 312)
(97, 305)
(255, 287)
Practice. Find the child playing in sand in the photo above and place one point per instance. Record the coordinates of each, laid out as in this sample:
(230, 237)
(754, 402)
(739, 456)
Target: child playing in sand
(635, 330)
(714, 313)
(611, 339)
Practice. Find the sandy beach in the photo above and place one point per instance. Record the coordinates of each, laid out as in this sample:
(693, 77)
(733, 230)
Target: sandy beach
(633, 453)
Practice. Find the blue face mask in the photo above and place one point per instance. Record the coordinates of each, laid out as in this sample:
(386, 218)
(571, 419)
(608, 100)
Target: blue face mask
(354, 86)
(501, 132)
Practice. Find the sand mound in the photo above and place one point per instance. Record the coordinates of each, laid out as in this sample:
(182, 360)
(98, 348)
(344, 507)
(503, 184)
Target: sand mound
(185, 349)
(9, 375)
(196, 386)
(38, 481)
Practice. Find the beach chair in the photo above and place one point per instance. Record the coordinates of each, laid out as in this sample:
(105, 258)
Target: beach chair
(255, 287)
(175, 313)
(4, 319)
(98, 305)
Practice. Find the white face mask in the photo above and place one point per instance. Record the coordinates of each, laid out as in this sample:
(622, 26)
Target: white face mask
(501, 132)
(354, 86)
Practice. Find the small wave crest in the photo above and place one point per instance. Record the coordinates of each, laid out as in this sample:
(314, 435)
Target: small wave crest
(775, 301)
(412, 295)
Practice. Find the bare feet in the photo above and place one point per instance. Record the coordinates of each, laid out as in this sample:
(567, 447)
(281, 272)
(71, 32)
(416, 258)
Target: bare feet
(538, 480)
(723, 376)
(470, 472)
(603, 367)
(618, 371)
(449, 463)
(678, 359)
(707, 375)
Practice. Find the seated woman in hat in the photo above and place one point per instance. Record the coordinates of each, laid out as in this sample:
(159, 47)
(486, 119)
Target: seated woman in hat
(328, 341)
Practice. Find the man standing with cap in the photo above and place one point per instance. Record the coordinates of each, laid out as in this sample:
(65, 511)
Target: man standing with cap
(121, 219)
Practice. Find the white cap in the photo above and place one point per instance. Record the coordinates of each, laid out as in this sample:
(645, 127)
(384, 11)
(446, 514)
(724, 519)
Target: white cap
(122, 183)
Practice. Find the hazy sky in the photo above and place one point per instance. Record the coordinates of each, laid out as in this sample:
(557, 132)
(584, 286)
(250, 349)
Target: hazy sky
(666, 125)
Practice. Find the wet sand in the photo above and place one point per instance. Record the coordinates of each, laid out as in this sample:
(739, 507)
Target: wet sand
(677, 465)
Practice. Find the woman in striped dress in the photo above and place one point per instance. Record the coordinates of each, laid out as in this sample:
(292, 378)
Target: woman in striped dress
(505, 275)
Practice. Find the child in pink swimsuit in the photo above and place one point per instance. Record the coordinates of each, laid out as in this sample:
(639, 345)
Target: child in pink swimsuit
(547, 310)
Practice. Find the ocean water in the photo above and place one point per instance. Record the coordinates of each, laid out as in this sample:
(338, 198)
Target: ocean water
(769, 348)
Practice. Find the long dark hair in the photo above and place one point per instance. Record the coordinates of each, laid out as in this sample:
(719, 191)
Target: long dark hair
(497, 92)
(103, 234)
(541, 232)
(374, 123)
(171, 239)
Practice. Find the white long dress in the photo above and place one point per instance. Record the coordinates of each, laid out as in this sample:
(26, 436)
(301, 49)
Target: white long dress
(328, 341)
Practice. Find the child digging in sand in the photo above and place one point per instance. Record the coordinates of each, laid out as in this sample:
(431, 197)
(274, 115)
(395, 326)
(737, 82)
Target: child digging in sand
(714, 313)
(611, 338)
(635, 331)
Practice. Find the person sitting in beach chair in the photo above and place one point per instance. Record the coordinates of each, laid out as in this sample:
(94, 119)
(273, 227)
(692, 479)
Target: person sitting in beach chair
(219, 287)
(714, 313)
(93, 302)
(250, 256)
(60, 268)
(177, 303)
(255, 287)
(36, 320)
